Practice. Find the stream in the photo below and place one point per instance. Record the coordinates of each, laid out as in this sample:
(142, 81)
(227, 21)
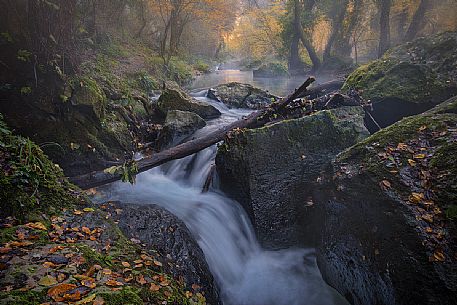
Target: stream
(244, 272)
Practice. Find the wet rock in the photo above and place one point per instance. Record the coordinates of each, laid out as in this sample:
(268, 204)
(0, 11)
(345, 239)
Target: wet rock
(410, 78)
(178, 125)
(270, 170)
(163, 231)
(175, 99)
(238, 95)
(389, 221)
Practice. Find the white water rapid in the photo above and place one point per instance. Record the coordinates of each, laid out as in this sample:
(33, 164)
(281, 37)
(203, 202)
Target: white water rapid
(245, 273)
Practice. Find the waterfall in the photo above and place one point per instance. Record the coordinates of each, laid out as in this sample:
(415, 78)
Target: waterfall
(245, 273)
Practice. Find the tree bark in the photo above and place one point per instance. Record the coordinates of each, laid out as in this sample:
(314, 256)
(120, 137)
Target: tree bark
(417, 22)
(384, 23)
(299, 31)
(254, 120)
(337, 28)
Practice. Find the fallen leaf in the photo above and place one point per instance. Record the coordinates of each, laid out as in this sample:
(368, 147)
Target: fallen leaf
(57, 292)
(140, 280)
(37, 226)
(55, 249)
(157, 263)
(88, 210)
(113, 283)
(438, 256)
(77, 212)
(47, 281)
(428, 218)
(125, 264)
(412, 162)
(86, 230)
(385, 184)
(416, 198)
(154, 287)
(419, 156)
(5, 250)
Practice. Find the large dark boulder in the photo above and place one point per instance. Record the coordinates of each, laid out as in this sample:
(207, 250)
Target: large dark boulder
(389, 204)
(238, 95)
(179, 125)
(175, 99)
(270, 170)
(161, 230)
(409, 79)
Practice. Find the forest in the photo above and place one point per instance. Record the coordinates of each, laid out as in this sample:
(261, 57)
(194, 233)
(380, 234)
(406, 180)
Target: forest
(236, 152)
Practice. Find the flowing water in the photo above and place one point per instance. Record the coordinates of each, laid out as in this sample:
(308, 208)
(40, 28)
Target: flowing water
(245, 273)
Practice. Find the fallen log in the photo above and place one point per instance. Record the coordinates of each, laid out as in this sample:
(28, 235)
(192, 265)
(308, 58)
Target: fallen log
(255, 119)
(323, 89)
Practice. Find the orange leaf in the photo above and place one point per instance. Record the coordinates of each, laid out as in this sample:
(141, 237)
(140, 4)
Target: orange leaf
(36, 225)
(113, 283)
(154, 287)
(125, 264)
(56, 292)
(85, 230)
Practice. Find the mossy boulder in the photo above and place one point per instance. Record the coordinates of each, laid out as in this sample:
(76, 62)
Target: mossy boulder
(269, 170)
(272, 69)
(422, 71)
(89, 95)
(179, 125)
(173, 98)
(389, 221)
(238, 95)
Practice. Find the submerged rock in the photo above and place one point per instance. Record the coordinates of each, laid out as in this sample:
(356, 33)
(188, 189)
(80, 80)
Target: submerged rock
(180, 124)
(176, 99)
(161, 230)
(390, 214)
(238, 95)
(409, 79)
(270, 170)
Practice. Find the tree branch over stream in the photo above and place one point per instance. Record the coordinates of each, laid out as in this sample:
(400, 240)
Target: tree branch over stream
(254, 120)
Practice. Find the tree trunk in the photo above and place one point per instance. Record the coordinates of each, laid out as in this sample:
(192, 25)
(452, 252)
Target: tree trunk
(344, 44)
(337, 29)
(417, 23)
(306, 43)
(254, 120)
(295, 63)
(384, 23)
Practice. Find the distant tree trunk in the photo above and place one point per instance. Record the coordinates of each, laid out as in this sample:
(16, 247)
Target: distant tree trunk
(344, 43)
(301, 34)
(417, 23)
(337, 28)
(384, 23)
(295, 63)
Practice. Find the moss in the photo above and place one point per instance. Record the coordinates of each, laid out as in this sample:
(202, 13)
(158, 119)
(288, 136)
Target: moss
(415, 72)
(29, 181)
(126, 296)
(30, 297)
(93, 257)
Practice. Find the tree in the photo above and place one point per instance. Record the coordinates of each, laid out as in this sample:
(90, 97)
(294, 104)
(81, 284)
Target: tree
(418, 20)
(384, 26)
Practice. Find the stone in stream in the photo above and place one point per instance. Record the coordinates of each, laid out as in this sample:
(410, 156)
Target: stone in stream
(389, 231)
(269, 170)
(409, 79)
(161, 230)
(178, 125)
(173, 98)
(238, 95)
